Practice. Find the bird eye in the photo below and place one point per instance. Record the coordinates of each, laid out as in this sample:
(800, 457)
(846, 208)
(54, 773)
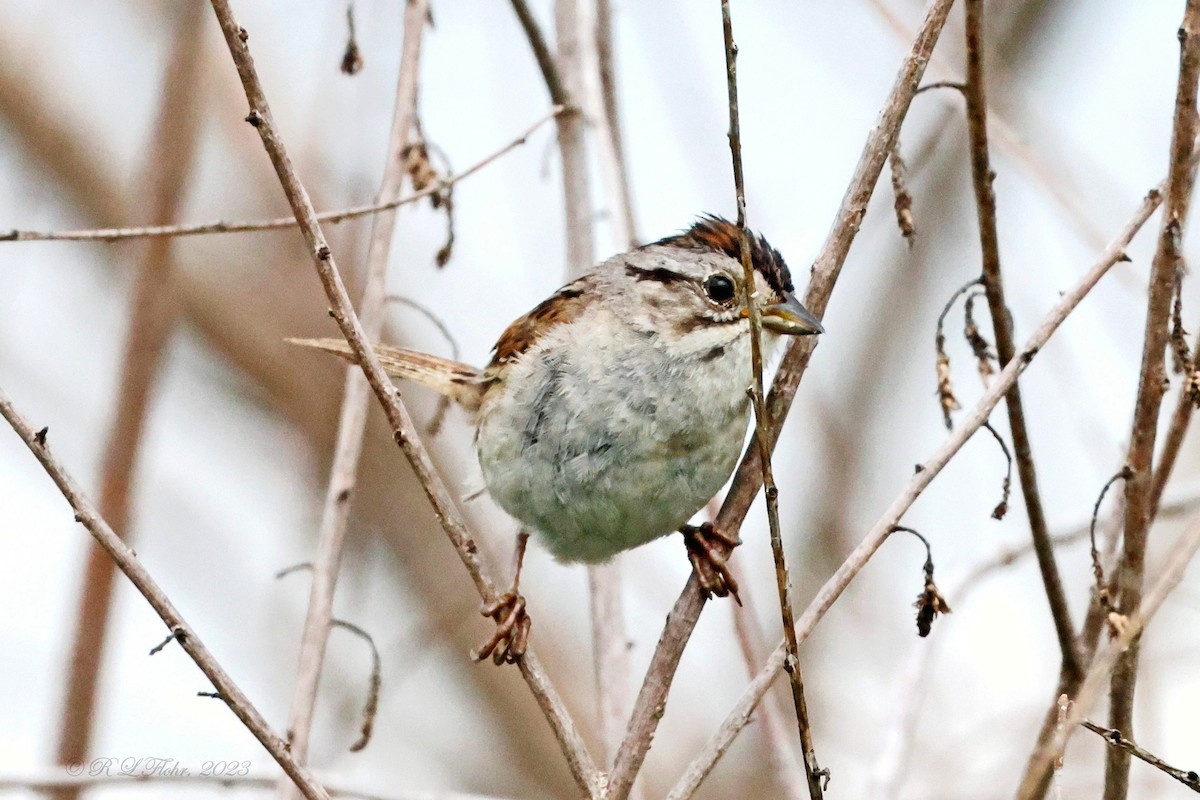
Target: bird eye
(719, 288)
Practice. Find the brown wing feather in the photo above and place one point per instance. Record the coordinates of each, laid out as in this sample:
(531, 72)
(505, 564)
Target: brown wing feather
(562, 306)
(460, 382)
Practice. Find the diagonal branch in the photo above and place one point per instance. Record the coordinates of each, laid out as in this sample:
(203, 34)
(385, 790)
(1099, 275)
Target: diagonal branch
(926, 472)
(982, 177)
(812, 770)
(127, 562)
(403, 430)
(1183, 550)
(343, 474)
(748, 478)
(1138, 503)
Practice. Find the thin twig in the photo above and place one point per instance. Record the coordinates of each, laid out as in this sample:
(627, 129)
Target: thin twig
(352, 419)
(815, 776)
(1114, 738)
(50, 781)
(403, 431)
(87, 514)
(371, 706)
(153, 309)
(1152, 376)
(985, 202)
(1002, 507)
(791, 782)
(1182, 552)
(332, 217)
(945, 381)
(1101, 586)
(748, 478)
(857, 559)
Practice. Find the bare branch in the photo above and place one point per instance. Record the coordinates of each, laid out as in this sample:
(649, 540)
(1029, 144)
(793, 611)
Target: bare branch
(982, 177)
(1180, 180)
(925, 474)
(1183, 550)
(403, 431)
(352, 419)
(1113, 738)
(748, 478)
(816, 777)
(127, 562)
(333, 217)
(153, 309)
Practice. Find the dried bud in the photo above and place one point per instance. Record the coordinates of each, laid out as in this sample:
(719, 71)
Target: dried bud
(929, 604)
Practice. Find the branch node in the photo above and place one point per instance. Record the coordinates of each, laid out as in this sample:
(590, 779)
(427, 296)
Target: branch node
(254, 118)
(40, 436)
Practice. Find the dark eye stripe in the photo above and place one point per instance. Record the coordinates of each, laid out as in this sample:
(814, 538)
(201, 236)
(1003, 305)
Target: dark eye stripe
(657, 274)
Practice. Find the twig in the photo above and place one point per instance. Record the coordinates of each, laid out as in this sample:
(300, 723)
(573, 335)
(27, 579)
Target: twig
(1113, 738)
(816, 777)
(50, 781)
(956, 85)
(1002, 507)
(857, 559)
(403, 431)
(791, 782)
(1129, 574)
(747, 480)
(127, 562)
(945, 383)
(352, 419)
(332, 217)
(153, 309)
(930, 602)
(1101, 586)
(985, 202)
(371, 706)
(1182, 551)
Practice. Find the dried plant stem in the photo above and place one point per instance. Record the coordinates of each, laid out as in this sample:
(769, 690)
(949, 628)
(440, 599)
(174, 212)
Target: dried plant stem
(1114, 738)
(404, 432)
(605, 62)
(50, 781)
(333, 217)
(153, 309)
(1130, 570)
(985, 202)
(747, 480)
(791, 783)
(127, 562)
(812, 769)
(1182, 552)
(857, 559)
(343, 473)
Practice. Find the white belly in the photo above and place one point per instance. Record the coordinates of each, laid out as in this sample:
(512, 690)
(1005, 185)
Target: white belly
(598, 452)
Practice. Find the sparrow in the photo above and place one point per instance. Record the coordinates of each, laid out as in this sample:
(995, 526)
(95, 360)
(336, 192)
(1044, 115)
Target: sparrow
(616, 408)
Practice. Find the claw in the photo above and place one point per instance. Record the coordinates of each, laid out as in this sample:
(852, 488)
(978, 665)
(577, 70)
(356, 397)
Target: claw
(708, 561)
(508, 642)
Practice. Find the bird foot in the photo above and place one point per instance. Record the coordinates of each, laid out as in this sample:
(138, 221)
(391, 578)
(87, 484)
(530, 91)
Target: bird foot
(508, 642)
(705, 546)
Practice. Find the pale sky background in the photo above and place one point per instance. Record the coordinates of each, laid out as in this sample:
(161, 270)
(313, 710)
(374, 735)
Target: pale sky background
(229, 485)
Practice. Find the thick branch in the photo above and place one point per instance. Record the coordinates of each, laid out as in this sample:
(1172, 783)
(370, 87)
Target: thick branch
(403, 430)
(1138, 501)
(982, 177)
(153, 309)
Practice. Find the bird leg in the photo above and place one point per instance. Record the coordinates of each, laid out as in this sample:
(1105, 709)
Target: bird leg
(704, 547)
(508, 642)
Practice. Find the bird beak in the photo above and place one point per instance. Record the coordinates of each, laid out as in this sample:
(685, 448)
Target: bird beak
(790, 318)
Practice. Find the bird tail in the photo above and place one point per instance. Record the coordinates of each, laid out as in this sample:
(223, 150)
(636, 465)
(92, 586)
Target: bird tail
(460, 382)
